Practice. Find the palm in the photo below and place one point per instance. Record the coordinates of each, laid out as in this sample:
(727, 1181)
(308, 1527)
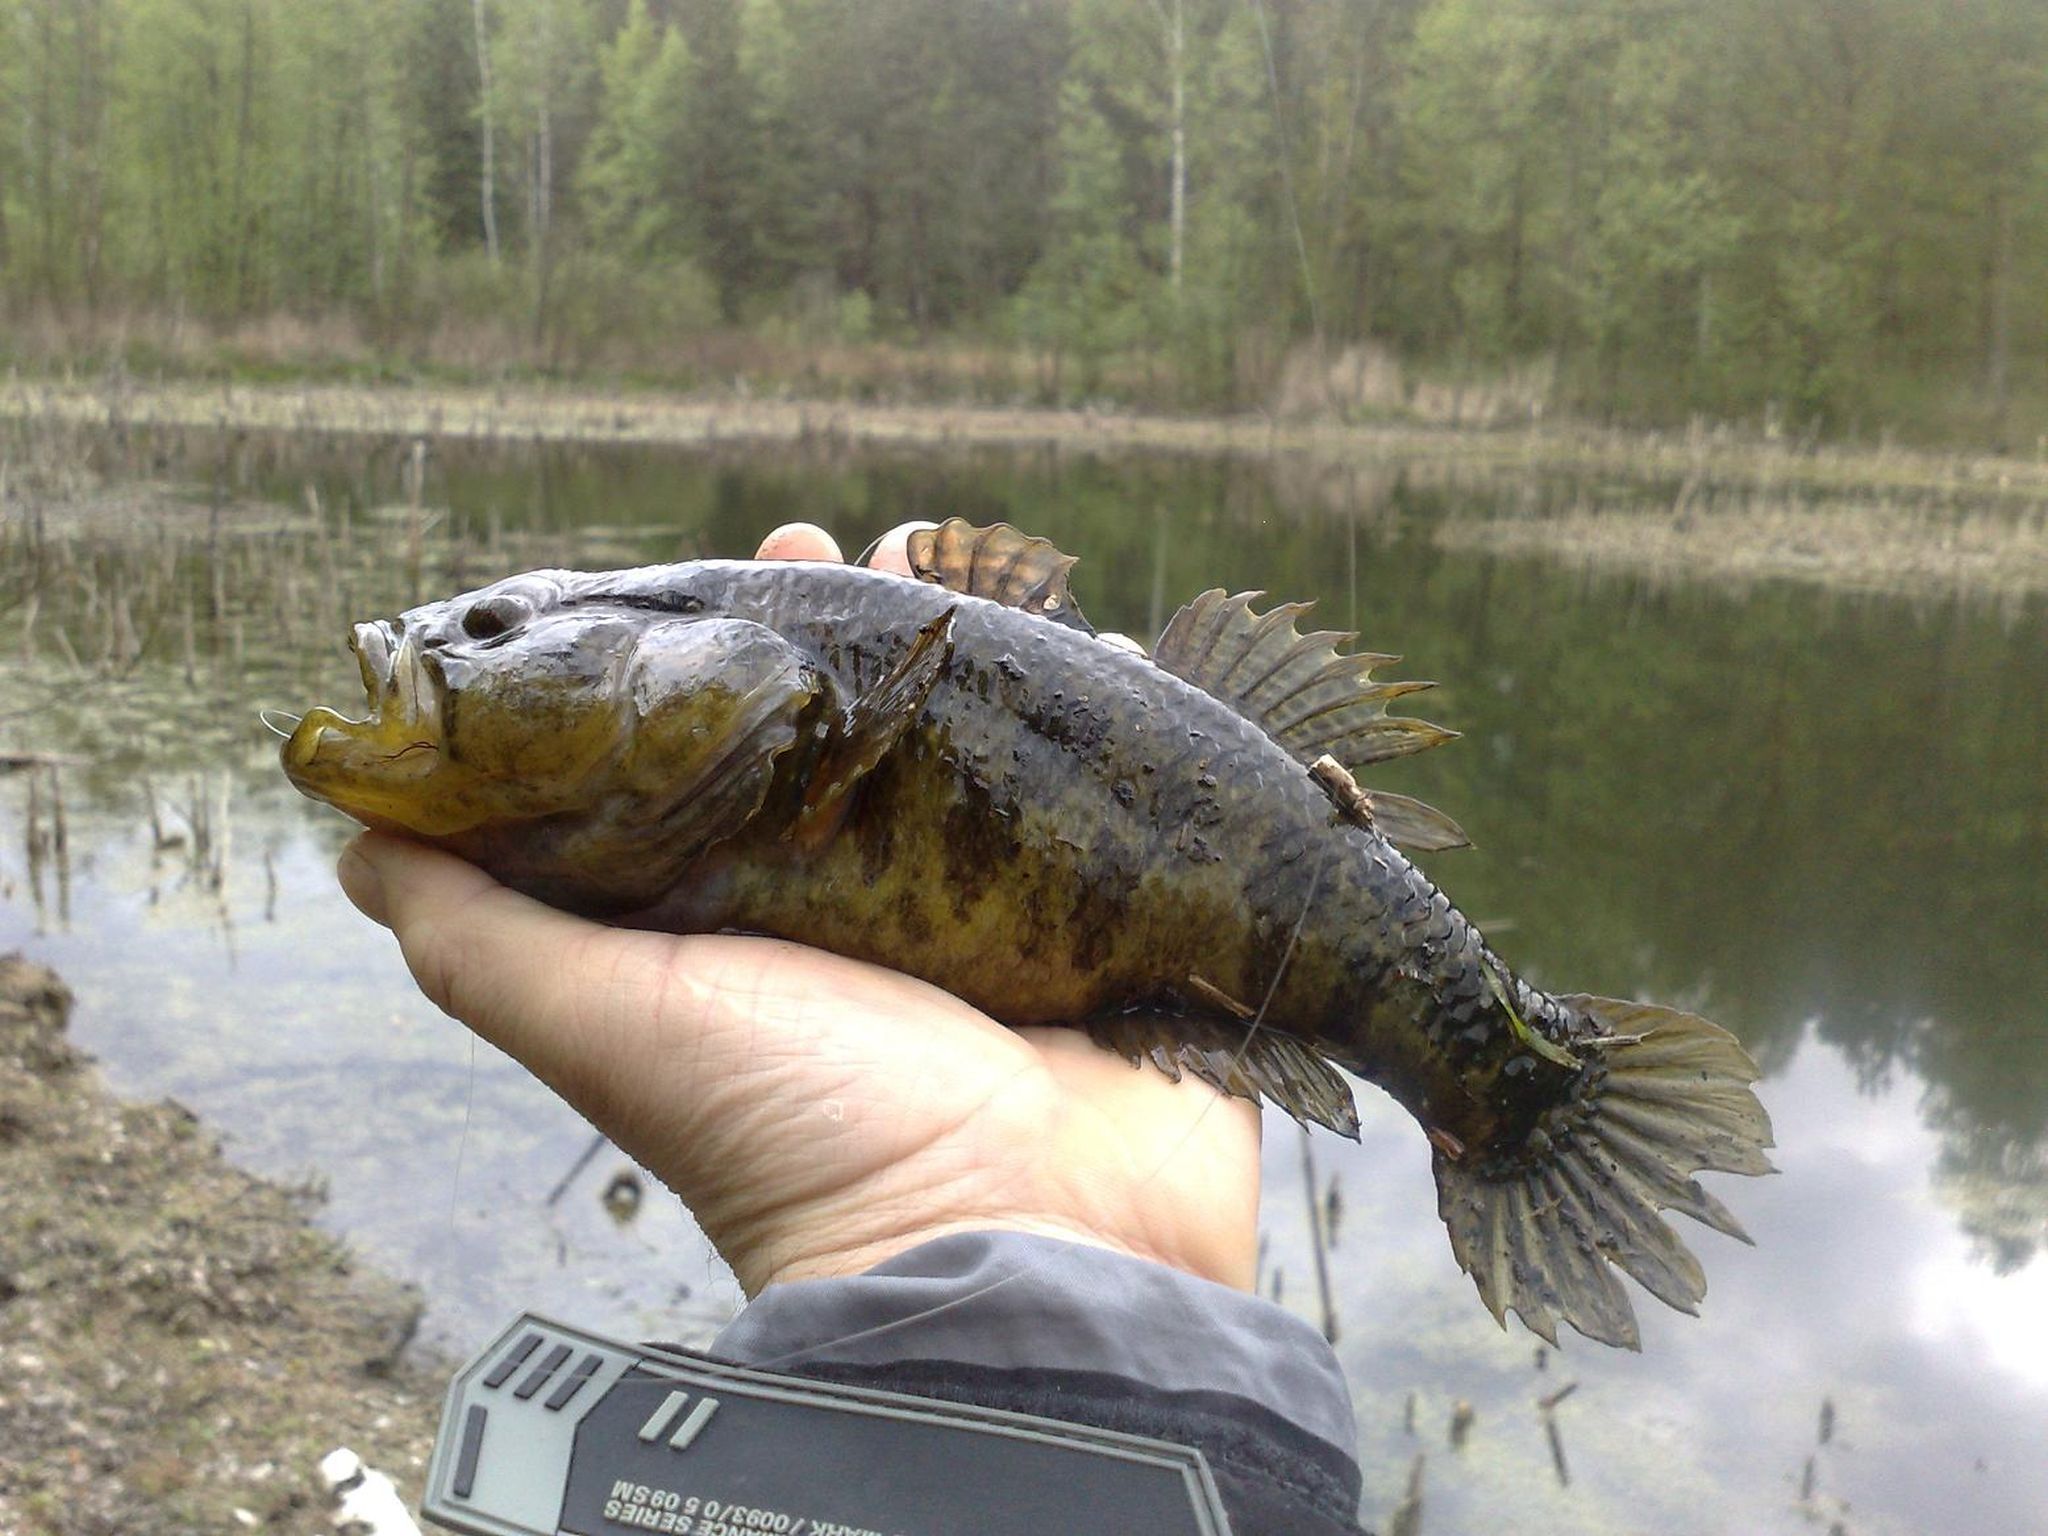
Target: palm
(816, 1113)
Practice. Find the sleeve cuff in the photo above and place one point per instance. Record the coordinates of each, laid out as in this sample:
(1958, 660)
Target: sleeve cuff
(1071, 1331)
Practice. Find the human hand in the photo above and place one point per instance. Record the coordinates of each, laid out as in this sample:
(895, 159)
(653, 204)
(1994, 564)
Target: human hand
(818, 1114)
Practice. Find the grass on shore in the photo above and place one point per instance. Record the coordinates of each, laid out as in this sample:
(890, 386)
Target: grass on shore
(1916, 548)
(1697, 505)
(542, 413)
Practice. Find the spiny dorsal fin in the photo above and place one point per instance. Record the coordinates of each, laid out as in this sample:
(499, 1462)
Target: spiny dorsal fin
(1308, 696)
(1000, 564)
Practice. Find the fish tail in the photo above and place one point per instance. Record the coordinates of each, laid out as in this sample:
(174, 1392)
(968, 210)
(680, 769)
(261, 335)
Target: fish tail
(1542, 1228)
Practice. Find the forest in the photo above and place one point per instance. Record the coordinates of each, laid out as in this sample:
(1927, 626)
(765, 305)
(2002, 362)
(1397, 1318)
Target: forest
(1826, 217)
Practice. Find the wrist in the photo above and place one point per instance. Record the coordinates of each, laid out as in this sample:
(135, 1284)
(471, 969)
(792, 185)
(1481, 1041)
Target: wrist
(1228, 1259)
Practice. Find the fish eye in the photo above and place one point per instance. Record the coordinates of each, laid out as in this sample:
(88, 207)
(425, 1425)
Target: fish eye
(496, 616)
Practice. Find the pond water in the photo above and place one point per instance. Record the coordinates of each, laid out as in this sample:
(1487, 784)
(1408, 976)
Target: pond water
(1822, 820)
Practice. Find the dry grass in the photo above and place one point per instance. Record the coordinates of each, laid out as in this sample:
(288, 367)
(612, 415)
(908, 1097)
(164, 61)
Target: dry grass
(1698, 504)
(1719, 457)
(1922, 547)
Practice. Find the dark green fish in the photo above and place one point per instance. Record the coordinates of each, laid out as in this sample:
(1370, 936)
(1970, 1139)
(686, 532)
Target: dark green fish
(955, 778)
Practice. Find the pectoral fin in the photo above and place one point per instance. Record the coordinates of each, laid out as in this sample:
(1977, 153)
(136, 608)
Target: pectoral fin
(871, 725)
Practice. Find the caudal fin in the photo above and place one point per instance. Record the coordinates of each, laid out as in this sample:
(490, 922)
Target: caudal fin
(1541, 1231)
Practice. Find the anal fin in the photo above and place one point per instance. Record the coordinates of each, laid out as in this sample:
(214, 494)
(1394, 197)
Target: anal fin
(1234, 1057)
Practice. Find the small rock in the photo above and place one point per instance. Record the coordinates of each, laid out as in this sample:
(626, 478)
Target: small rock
(368, 1500)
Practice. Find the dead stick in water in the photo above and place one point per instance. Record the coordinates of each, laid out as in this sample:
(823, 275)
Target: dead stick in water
(1316, 1239)
(597, 1145)
(1564, 1473)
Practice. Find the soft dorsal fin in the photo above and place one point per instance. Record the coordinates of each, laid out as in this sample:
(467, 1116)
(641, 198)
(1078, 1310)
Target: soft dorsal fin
(1308, 696)
(1015, 569)
(1409, 823)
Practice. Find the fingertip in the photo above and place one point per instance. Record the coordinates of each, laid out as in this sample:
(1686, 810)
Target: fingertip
(892, 549)
(362, 881)
(387, 877)
(799, 541)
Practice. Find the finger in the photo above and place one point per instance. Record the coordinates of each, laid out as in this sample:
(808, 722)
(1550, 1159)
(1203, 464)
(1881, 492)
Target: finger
(799, 541)
(586, 1006)
(482, 953)
(568, 998)
(892, 552)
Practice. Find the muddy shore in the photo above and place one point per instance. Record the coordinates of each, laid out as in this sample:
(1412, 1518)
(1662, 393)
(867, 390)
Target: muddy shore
(179, 1345)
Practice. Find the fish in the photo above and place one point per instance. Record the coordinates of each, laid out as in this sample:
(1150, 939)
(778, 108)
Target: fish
(955, 776)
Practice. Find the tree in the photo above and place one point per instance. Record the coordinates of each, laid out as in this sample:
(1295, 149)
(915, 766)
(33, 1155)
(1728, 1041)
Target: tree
(721, 145)
(635, 175)
(1087, 296)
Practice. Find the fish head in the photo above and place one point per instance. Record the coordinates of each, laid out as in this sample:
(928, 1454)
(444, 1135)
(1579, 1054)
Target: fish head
(538, 698)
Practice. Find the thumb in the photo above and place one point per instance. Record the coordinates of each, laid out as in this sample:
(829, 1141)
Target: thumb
(502, 963)
(590, 1009)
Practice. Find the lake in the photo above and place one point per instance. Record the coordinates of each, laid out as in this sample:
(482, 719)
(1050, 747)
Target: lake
(1820, 818)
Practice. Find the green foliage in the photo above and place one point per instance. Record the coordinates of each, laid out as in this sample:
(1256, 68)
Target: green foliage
(641, 309)
(1811, 210)
(634, 178)
(1088, 296)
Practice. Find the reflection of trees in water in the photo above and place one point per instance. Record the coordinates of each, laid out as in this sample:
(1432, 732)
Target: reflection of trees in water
(1786, 807)
(1998, 1187)
(1789, 807)
(1781, 806)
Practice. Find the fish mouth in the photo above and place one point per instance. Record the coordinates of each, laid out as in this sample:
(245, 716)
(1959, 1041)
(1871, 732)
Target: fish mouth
(369, 767)
(403, 689)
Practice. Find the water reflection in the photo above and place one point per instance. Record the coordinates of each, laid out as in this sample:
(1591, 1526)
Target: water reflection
(1823, 820)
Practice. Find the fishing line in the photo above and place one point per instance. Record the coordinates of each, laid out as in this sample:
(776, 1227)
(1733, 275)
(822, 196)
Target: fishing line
(462, 1142)
(1237, 1060)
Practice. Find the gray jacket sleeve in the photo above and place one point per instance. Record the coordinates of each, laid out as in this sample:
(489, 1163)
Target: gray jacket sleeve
(1083, 1334)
